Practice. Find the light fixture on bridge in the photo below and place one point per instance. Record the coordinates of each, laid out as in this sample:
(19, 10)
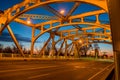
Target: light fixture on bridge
(80, 41)
(62, 11)
(28, 20)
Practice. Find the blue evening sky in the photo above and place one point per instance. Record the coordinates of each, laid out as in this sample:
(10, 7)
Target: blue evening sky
(23, 33)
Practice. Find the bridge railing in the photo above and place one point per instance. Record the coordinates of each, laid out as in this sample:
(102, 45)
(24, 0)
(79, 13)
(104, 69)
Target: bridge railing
(13, 56)
(28, 56)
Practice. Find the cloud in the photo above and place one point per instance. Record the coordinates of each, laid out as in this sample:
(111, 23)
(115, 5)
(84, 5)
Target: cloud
(5, 37)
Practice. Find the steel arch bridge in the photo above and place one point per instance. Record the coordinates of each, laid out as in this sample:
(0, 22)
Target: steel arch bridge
(92, 31)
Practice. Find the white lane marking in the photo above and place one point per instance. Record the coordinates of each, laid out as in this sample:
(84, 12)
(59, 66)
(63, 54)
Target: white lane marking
(36, 76)
(99, 72)
(79, 66)
(27, 69)
(50, 73)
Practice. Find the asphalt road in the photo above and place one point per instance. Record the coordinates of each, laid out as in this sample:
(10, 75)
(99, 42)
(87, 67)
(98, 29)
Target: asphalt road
(50, 70)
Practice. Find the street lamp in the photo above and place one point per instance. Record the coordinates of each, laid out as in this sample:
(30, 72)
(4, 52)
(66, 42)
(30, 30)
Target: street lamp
(80, 41)
(28, 20)
(62, 11)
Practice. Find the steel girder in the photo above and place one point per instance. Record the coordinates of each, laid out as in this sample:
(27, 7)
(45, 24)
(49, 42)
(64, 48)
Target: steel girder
(36, 16)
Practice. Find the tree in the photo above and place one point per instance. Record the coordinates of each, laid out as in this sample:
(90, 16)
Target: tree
(1, 48)
(14, 49)
(96, 47)
(7, 49)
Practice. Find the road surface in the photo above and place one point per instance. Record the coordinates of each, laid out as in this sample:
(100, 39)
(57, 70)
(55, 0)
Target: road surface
(50, 70)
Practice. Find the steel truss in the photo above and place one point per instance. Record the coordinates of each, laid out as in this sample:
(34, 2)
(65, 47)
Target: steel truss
(16, 14)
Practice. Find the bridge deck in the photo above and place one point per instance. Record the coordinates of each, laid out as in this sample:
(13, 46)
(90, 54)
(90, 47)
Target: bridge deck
(50, 70)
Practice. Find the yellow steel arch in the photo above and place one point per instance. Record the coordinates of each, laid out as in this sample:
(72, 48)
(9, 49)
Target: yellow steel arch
(34, 38)
(83, 44)
(94, 24)
(38, 3)
(69, 37)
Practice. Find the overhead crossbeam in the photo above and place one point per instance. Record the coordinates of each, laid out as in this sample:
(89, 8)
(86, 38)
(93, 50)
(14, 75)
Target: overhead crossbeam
(50, 9)
(36, 16)
(96, 12)
(72, 10)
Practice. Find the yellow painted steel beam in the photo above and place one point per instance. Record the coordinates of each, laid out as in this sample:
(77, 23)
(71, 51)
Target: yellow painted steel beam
(87, 14)
(72, 10)
(32, 40)
(60, 47)
(85, 28)
(24, 22)
(36, 16)
(15, 40)
(52, 10)
(46, 43)
(66, 47)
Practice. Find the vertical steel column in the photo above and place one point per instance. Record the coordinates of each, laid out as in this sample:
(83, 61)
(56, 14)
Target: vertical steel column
(75, 50)
(71, 49)
(97, 19)
(60, 48)
(76, 46)
(66, 46)
(114, 13)
(32, 40)
(53, 44)
(45, 45)
(15, 40)
(79, 53)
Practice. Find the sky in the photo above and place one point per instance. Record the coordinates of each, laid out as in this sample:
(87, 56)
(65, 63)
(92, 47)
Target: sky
(23, 33)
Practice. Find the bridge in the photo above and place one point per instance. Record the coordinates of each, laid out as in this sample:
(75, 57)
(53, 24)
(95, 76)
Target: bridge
(67, 35)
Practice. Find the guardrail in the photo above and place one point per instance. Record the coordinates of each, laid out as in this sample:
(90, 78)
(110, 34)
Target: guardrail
(11, 56)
